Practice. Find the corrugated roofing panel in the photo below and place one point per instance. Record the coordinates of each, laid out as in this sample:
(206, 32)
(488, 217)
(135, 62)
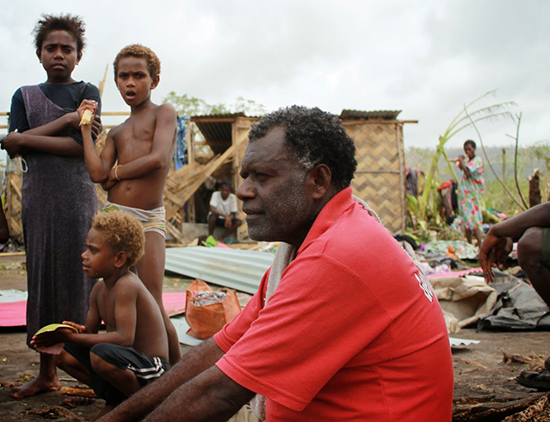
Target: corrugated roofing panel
(376, 114)
(234, 268)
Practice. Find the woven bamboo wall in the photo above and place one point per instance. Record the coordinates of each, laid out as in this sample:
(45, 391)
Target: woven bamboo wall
(379, 176)
(378, 180)
(12, 206)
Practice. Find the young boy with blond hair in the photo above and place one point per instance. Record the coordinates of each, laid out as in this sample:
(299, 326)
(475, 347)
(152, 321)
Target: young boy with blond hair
(142, 148)
(133, 351)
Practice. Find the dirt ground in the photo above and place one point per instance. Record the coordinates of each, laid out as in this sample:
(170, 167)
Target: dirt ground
(485, 386)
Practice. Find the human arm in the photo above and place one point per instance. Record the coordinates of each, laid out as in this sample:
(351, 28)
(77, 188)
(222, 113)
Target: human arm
(210, 396)
(463, 166)
(98, 165)
(159, 157)
(146, 400)
(46, 138)
(496, 246)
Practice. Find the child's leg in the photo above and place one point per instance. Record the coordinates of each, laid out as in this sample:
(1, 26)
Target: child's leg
(151, 272)
(123, 380)
(46, 380)
(73, 367)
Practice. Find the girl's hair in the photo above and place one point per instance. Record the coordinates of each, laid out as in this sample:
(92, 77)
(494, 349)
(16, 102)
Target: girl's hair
(471, 143)
(74, 25)
(122, 232)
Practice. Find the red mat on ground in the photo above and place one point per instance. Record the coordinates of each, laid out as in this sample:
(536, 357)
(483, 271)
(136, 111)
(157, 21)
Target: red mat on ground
(13, 314)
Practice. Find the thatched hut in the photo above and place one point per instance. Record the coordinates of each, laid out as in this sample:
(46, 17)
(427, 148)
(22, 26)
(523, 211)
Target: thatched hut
(215, 147)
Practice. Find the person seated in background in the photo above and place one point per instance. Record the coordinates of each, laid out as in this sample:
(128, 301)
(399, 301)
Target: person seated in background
(531, 229)
(223, 212)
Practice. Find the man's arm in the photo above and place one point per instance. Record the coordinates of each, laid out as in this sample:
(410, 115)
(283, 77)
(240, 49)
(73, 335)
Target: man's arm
(211, 396)
(165, 132)
(495, 246)
(146, 400)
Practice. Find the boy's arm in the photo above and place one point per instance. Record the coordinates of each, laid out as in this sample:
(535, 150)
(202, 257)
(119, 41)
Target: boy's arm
(98, 166)
(93, 321)
(165, 131)
(125, 320)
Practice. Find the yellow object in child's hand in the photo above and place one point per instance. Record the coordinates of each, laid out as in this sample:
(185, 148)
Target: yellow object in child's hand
(86, 118)
(56, 349)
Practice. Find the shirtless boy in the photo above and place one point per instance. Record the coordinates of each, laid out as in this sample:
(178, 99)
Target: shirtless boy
(133, 351)
(142, 147)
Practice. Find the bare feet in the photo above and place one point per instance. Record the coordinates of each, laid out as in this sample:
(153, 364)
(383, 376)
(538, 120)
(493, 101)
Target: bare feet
(36, 386)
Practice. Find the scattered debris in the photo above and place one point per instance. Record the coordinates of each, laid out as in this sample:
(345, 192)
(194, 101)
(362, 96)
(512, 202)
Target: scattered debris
(55, 412)
(78, 401)
(84, 391)
(532, 359)
(470, 362)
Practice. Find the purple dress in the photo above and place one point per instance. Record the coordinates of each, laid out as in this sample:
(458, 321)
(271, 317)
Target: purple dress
(58, 203)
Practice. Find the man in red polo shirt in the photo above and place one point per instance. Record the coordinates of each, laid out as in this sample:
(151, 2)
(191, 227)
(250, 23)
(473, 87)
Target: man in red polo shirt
(352, 331)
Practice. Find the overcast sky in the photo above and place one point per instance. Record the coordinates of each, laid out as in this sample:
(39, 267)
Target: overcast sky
(426, 58)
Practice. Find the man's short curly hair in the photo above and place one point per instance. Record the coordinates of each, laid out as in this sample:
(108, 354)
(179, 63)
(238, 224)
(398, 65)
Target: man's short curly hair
(140, 51)
(315, 137)
(74, 25)
(122, 232)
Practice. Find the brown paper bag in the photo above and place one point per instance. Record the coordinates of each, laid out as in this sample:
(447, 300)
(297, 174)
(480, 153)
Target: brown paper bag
(207, 311)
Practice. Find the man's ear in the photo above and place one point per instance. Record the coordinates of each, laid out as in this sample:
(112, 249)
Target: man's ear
(156, 80)
(120, 259)
(78, 57)
(321, 179)
(39, 54)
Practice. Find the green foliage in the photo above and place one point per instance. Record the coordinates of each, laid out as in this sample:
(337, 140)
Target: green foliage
(462, 120)
(187, 105)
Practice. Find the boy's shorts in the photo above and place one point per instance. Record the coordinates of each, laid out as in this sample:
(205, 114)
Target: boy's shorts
(546, 247)
(145, 368)
(152, 220)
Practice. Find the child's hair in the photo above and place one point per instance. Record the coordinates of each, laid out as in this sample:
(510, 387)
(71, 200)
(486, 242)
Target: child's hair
(140, 51)
(471, 143)
(122, 232)
(74, 25)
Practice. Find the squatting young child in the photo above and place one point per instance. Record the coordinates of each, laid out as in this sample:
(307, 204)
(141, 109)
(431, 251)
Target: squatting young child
(134, 349)
(143, 146)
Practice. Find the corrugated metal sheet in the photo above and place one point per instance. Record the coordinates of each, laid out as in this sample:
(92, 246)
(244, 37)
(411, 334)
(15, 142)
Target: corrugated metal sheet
(234, 268)
(217, 129)
(377, 114)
